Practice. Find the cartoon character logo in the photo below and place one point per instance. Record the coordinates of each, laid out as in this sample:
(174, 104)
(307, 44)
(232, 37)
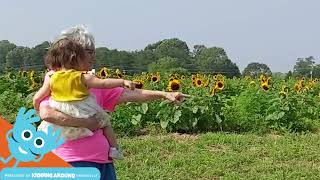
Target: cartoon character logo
(26, 143)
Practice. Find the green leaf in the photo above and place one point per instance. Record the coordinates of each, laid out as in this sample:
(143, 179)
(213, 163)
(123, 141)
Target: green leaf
(177, 115)
(144, 108)
(195, 109)
(286, 108)
(158, 114)
(195, 122)
(136, 119)
(164, 124)
(218, 119)
(280, 115)
(162, 103)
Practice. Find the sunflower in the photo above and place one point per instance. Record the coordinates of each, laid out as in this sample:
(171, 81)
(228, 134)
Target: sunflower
(297, 87)
(312, 83)
(219, 85)
(284, 91)
(213, 91)
(252, 83)
(247, 77)
(206, 83)
(193, 77)
(155, 78)
(265, 86)
(119, 73)
(103, 73)
(23, 73)
(199, 82)
(34, 85)
(174, 85)
(215, 77)
(262, 78)
(283, 94)
(139, 84)
(218, 77)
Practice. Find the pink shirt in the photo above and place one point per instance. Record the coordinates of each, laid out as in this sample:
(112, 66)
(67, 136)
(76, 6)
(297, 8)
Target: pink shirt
(93, 148)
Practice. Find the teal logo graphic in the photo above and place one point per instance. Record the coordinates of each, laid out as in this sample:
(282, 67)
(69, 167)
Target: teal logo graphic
(26, 143)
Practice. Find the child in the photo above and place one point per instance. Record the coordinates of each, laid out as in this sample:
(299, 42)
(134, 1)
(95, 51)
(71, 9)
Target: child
(69, 89)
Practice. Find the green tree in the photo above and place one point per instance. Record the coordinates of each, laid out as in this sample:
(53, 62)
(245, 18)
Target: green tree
(102, 57)
(197, 49)
(215, 60)
(303, 66)
(255, 69)
(5, 48)
(18, 58)
(142, 59)
(174, 48)
(165, 64)
(37, 56)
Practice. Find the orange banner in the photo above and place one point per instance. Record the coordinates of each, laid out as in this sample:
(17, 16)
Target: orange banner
(49, 159)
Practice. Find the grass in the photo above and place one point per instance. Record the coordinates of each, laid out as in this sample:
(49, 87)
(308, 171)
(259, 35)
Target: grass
(220, 156)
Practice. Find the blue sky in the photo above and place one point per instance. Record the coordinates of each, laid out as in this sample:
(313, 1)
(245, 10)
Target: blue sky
(275, 32)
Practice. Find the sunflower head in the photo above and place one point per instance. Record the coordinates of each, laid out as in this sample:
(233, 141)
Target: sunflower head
(297, 87)
(265, 86)
(139, 84)
(119, 73)
(262, 78)
(199, 82)
(155, 78)
(283, 94)
(193, 76)
(174, 85)
(215, 77)
(103, 73)
(247, 77)
(219, 85)
(284, 88)
(252, 83)
(219, 77)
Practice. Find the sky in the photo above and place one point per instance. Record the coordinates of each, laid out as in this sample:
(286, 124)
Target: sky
(274, 32)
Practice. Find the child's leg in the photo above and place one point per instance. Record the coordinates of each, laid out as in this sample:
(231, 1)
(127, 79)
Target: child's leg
(115, 152)
(110, 135)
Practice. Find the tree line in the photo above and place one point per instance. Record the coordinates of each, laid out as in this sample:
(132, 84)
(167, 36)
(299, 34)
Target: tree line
(168, 55)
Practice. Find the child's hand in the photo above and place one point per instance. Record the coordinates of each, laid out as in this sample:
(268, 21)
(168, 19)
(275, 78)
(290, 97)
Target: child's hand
(129, 84)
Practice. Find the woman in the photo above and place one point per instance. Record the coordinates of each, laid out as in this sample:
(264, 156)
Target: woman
(92, 151)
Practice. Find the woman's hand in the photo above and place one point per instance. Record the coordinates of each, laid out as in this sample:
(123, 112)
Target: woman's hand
(176, 97)
(129, 84)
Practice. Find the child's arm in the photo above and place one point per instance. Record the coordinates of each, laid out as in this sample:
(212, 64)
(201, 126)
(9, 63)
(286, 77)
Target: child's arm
(93, 82)
(43, 92)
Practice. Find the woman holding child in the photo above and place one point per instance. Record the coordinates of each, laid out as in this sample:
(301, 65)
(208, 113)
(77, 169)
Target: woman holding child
(93, 148)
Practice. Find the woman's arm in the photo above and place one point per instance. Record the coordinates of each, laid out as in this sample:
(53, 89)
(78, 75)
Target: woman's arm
(51, 115)
(140, 95)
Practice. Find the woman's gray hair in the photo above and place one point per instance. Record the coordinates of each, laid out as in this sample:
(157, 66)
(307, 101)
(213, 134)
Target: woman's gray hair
(79, 34)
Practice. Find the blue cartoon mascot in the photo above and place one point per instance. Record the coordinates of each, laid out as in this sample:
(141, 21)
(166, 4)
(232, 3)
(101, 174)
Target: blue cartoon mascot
(26, 143)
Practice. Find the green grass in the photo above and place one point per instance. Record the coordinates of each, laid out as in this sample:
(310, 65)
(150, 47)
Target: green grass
(220, 156)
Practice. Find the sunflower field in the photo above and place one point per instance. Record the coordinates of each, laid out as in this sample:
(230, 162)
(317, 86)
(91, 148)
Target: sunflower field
(217, 103)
